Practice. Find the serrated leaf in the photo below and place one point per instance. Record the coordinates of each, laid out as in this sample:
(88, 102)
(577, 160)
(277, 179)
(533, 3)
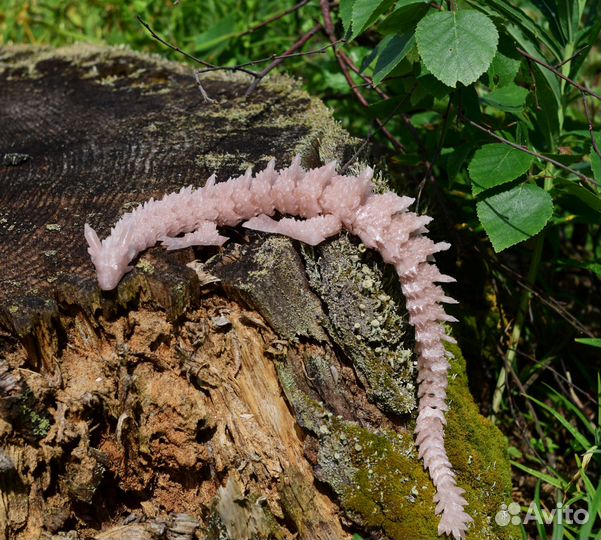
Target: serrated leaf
(503, 69)
(514, 215)
(395, 50)
(456, 46)
(510, 98)
(496, 164)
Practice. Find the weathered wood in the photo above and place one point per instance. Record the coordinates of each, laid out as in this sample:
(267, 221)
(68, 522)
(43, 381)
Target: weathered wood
(264, 390)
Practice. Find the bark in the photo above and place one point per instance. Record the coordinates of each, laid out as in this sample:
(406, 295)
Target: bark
(263, 390)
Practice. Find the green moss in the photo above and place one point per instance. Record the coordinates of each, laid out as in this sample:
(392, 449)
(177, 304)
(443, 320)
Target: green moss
(146, 266)
(478, 452)
(38, 423)
(388, 489)
(380, 482)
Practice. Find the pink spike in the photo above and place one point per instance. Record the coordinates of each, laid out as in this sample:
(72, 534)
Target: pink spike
(329, 202)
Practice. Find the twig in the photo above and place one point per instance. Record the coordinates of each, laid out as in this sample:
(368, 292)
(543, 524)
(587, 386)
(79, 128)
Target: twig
(549, 302)
(329, 29)
(591, 129)
(432, 162)
(203, 92)
(571, 57)
(278, 60)
(559, 74)
(190, 56)
(371, 133)
(275, 18)
(525, 149)
(270, 58)
(257, 76)
(516, 331)
(535, 420)
(370, 83)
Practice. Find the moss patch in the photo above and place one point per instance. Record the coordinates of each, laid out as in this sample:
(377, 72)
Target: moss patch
(380, 482)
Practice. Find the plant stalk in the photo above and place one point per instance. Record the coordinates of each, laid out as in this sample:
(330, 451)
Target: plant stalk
(516, 332)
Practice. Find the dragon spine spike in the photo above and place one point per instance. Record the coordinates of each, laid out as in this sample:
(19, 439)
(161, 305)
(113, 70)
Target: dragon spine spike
(328, 202)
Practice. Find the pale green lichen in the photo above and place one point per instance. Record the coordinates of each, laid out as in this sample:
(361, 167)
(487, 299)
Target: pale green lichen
(364, 320)
(146, 266)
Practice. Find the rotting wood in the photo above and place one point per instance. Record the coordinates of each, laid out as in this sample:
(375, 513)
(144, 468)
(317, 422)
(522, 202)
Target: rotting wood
(241, 404)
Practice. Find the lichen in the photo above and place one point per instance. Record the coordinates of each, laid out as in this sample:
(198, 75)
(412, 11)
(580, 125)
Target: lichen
(364, 320)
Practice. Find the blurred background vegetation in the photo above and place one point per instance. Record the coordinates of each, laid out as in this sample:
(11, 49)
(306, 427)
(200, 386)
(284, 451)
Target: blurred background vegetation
(530, 311)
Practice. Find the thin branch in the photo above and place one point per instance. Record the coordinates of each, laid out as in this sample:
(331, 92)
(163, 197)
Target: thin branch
(432, 162)
(329, 29)
(275, 18)
(270, 58)
(589, 119)
(544, 298)
(257, 76)
(526, 150)
(577, 53)
(371, 133)
(203, 92)
(190, 56)
(559, 74)
(370, 83)
(279, 59)
(534, 416)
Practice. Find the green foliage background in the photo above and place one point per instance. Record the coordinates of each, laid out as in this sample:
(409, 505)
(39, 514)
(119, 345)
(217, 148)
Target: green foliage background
(492, 109)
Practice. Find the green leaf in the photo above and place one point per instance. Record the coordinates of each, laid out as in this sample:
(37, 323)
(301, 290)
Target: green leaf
(365, 12)
(529, 36)
(591, 266)
(222, 31)
(592, 200)
(345, 11)
(593, 342)
(514, 215)
(404, 18)
(495, 164)
(456, 46)
(395, 50)
(518, 22)
(387, 107)
(428, 85)
(510, 98)
(578, 437)
(503, 69)
(551, 480)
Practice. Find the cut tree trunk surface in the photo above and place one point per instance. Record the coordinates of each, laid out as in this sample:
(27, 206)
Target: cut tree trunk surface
(263, 390)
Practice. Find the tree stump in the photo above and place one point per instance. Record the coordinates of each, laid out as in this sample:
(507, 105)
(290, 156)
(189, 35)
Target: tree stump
(263, 390)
